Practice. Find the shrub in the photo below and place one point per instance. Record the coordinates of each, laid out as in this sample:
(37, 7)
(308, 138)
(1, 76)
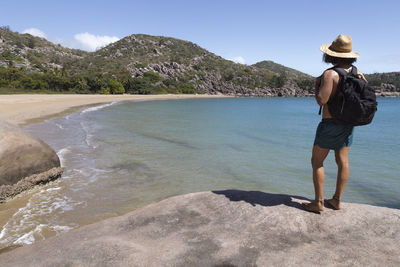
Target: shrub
(104, 91)
(116, 87)
(152, 77)
(306, 84)
(160, 90)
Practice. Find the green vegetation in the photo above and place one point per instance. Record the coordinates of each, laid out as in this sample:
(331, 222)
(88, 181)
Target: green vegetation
(306, 84)
(153, 83)
(19, 80)
(116, 87)
(302, 80)
(51, 81)
(377, 79)
(141, 64)
(281, 70)
(104, 91)
(8, 56)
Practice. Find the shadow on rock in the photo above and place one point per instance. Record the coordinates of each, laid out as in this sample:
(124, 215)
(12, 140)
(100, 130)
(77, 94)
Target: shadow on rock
(261, 198)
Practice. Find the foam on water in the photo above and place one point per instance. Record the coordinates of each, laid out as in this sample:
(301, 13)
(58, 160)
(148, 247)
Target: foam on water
(61, 155)
(36, 233)
(59, 126)
(97, 107)
(37, 217)
(88, 136)
(53, 189)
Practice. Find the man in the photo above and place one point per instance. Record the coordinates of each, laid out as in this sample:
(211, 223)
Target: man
(331, 135)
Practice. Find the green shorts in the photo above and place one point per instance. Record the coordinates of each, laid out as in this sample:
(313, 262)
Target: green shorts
(333, 135)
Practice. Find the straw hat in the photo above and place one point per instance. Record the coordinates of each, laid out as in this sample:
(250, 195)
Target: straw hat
(340, 47)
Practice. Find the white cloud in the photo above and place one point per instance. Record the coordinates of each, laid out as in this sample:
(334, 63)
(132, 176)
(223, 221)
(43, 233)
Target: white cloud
(239, 59)
(93, 42)
(35, 32)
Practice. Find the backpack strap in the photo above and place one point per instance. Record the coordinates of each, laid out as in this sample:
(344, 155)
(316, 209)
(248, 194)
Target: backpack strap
(354, 71)
(340, 71)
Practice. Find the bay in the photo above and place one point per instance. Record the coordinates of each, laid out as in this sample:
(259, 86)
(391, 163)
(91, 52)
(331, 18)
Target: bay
(123, 156)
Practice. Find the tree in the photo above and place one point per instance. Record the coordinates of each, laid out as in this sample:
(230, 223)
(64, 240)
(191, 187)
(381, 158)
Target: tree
(138, 86)
(31, 43)
(116, 87)
(152, 76)
(104, 91)
(5, 28)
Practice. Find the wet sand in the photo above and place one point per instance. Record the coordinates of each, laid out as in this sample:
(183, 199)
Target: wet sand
(33, 108)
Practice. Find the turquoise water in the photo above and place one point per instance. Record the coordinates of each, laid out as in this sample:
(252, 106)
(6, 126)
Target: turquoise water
(248, 143)
(123, 156)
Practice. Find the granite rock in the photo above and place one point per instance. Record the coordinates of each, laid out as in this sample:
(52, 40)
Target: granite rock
(225, 228)
(22, 155)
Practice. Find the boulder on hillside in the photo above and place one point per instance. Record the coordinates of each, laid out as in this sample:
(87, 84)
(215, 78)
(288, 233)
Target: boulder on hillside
(22, 155)
(225, 228)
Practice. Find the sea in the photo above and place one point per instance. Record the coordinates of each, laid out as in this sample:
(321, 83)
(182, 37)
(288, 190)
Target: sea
(122, 156)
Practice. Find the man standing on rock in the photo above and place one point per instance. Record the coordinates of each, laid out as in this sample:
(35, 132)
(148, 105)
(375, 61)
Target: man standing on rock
(331, 134)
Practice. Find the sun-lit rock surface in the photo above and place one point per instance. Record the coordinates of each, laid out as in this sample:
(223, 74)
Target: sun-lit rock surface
(22, 156)
(225, 228)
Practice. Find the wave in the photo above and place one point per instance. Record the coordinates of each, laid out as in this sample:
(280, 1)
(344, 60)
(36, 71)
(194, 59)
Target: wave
(28, 224)
(97, 107)
(61, 155)
(29, 238)
(59, 126)
(89, 138)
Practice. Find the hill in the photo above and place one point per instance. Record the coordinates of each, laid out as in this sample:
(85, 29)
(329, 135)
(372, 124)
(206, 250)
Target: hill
(386, 84)
(144, 64)
(33, 53)
(281, 70)
(140, 63)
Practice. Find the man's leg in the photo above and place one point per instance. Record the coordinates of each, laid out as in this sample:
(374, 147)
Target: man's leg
(342, 161)
(317, 161)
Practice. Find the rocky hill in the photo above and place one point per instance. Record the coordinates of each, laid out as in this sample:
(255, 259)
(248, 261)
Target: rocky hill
(33, 53)
(225, 228)
(281, 70)
(145, 64)
(177, 63)
(141, 63)
(386, 84)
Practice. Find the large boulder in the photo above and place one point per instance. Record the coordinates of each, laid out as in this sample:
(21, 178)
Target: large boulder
(225, 228)
(22, 155)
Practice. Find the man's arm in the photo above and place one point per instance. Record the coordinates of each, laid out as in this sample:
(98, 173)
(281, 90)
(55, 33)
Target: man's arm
(325, 89)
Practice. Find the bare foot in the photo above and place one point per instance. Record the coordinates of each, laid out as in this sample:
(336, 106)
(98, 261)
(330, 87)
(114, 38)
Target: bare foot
(334, 203)
(315, 206)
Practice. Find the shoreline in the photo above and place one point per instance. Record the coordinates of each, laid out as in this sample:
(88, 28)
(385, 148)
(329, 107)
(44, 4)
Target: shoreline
(25, 109)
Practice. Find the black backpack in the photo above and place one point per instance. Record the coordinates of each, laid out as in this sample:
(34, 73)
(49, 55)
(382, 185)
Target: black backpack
(354, 102)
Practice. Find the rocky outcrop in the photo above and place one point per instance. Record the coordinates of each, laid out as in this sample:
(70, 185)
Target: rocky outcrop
(33, 53)
(22, 155)
(225, 228)
(388, 94)
(387, 90)
(10, 191)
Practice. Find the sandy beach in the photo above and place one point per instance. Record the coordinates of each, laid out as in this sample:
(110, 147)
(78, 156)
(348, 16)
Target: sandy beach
(33, 108)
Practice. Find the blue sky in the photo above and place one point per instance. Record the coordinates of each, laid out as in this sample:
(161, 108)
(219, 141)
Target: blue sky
(287, 32)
